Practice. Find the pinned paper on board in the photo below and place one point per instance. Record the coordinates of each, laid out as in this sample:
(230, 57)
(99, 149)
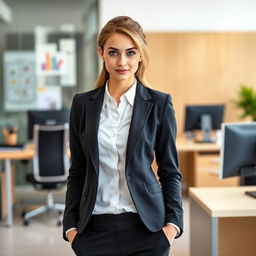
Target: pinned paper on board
(49, 61)
(49, 97)
(19, 80)
(68, 46)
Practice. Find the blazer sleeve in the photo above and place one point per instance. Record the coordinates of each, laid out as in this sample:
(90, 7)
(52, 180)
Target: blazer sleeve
(167, 161)
(76, 172)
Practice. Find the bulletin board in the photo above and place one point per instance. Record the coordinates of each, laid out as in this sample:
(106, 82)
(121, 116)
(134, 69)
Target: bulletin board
(19, 80)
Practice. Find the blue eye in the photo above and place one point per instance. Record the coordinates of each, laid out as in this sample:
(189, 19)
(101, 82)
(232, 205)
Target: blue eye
(113, 53)
(131, 53)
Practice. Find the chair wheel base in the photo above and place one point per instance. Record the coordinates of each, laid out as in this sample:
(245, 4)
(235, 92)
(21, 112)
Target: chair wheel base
(59, 223)
(25, 222)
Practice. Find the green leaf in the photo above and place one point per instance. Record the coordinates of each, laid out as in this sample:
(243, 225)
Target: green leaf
(247, 101)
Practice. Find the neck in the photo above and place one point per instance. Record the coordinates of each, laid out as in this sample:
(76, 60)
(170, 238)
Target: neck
(117, 88)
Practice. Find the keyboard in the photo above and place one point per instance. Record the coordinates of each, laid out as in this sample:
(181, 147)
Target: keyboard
(17, 147)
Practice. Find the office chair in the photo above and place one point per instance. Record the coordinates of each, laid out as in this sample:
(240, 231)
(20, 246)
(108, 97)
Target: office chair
(50, 167)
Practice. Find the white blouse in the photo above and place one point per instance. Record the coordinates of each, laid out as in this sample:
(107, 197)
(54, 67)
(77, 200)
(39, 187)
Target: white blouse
(113, 196)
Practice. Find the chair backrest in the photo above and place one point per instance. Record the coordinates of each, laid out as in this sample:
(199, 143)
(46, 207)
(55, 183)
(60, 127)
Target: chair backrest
(51, 161)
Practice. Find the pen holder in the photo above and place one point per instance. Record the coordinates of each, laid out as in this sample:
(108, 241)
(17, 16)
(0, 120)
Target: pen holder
(10, 135)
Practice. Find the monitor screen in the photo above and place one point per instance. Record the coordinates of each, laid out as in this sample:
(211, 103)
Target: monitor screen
(46, 117)
(238, 150)
(205, 118)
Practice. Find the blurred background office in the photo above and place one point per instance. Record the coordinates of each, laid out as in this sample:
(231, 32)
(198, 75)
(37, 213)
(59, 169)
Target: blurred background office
(201, 52)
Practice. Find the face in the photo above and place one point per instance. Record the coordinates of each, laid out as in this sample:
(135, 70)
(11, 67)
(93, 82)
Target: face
(121, 58)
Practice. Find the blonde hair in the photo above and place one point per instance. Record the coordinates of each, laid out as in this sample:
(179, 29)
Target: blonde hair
(131, 28)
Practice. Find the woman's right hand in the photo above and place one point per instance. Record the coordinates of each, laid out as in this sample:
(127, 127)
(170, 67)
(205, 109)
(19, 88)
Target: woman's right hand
(71, 235)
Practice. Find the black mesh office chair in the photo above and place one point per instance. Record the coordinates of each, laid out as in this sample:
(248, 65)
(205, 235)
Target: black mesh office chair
(50, 166)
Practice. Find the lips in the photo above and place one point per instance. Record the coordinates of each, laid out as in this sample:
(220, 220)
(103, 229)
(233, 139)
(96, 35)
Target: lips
(121, 71)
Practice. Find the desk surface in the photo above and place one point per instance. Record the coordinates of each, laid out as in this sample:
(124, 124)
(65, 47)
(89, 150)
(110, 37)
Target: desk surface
(225, 201)
(26, 153)
(184, 145)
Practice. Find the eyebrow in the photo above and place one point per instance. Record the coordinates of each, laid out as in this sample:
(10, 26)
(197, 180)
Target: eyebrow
(113, 48)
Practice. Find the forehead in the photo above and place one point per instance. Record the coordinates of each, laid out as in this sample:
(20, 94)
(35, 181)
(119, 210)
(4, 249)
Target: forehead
(119, 41)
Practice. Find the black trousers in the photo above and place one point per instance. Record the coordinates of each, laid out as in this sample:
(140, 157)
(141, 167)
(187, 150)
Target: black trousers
(119, 235)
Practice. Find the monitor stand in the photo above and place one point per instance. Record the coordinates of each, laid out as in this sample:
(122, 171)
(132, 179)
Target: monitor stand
(248, 172)
(206, 128)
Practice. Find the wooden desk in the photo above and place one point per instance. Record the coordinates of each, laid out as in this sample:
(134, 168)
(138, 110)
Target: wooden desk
(184, 145)
(222, 221)
(198, 169)
(7, 156)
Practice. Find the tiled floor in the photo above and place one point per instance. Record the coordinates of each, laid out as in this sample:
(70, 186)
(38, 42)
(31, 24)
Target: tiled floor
(43, 238)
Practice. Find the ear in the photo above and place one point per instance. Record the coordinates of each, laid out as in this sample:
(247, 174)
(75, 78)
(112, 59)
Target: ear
(140, 59)
(100, 52)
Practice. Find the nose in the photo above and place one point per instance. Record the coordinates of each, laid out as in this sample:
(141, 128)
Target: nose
(122, 60)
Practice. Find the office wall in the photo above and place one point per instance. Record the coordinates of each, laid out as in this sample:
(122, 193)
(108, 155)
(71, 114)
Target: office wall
(28, 13)
(202, 68)
(184, 15)
(200, 50)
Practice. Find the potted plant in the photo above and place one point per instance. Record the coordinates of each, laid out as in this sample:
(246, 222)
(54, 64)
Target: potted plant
(247, 101)
(10, 132)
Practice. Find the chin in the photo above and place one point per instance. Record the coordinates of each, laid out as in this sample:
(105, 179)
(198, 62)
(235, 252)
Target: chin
(122, 78)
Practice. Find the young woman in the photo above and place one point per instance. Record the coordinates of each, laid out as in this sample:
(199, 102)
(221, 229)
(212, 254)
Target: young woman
(115, 205)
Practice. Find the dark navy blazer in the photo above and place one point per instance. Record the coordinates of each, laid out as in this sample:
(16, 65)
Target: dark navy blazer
(153, 129)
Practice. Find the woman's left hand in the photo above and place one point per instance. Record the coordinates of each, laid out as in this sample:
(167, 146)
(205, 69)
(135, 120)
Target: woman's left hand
(170, 232)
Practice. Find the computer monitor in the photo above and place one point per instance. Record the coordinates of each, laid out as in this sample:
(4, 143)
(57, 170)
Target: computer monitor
(46, 117)
(205, 118)
(238, 150)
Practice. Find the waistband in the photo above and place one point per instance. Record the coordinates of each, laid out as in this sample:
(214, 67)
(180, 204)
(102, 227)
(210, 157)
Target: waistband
(114, 220)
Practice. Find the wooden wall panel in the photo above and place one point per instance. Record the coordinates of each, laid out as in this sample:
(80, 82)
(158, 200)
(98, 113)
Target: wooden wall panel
(200, 68)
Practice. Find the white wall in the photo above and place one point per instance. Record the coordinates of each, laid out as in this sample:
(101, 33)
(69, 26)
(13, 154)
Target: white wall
(184, 15)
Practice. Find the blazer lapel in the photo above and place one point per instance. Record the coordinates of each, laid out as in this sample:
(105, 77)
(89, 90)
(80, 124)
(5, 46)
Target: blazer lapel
(93, 110)
(141, 110)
